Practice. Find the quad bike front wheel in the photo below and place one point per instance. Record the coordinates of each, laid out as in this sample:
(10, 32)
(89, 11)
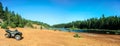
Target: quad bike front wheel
(18, 37)
(7, 35)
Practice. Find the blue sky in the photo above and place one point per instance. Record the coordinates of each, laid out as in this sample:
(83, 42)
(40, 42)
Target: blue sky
(62, 11)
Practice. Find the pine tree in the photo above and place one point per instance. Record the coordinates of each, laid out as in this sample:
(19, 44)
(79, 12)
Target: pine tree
(1, 11)
(5, 13)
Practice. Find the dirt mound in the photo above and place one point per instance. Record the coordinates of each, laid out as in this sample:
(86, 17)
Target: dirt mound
(37, 37)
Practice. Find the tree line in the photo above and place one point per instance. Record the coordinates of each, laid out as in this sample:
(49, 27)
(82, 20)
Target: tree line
(110, 22)
(12, 19)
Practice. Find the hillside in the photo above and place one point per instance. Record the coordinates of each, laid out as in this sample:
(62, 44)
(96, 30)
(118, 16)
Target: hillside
(11, 19)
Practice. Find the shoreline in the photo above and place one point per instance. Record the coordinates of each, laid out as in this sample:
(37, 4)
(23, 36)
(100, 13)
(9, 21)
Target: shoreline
(99, 31)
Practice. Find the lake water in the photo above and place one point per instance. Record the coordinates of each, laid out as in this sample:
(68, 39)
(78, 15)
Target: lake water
(67, 30)
(88, 31)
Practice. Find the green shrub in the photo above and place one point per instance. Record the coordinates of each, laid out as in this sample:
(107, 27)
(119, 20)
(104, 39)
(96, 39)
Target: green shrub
(12, 25)
(76, 36)
(4, 25)
(20, 25)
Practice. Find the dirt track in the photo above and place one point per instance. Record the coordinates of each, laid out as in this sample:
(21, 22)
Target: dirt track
(37, 37)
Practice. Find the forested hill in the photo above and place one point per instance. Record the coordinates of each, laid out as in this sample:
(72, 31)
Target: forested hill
(11, 19)
(110, 22)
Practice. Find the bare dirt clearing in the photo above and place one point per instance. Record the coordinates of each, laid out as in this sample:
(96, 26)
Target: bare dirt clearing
(37, 37)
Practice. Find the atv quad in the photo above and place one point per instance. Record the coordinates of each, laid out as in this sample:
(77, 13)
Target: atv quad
(13, 34)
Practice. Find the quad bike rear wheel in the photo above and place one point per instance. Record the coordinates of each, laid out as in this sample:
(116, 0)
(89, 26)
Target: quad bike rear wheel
(18, 37)
(7, 35)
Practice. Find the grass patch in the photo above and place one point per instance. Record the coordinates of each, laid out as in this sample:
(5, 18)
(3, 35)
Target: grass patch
(77, 36)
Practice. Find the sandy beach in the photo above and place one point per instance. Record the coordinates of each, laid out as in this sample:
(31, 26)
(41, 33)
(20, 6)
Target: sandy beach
(38, 37)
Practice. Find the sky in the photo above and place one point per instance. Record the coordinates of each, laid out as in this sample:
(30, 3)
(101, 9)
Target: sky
(62, 11)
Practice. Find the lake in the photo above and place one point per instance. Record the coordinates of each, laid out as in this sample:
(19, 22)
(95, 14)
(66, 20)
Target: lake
(89, 31)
